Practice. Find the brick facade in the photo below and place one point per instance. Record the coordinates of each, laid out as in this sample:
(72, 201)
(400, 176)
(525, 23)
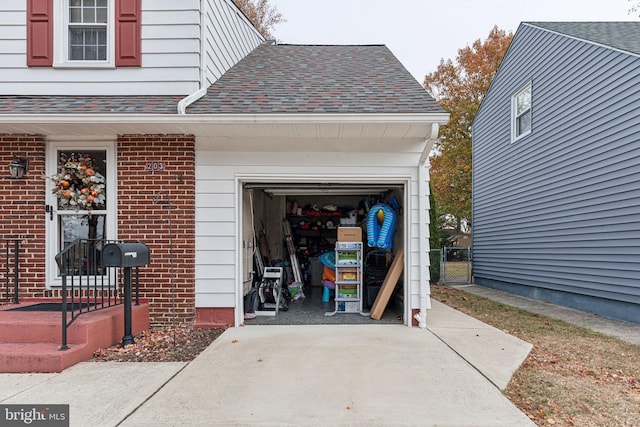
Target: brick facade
(139, 218)
(23, 215)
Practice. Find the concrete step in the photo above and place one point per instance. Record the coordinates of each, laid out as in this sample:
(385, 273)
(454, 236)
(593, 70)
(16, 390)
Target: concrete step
(41, 357)
(30, 340)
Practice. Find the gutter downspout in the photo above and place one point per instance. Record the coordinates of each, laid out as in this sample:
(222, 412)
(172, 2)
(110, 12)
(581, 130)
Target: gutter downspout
(190, 99)
(423, 189)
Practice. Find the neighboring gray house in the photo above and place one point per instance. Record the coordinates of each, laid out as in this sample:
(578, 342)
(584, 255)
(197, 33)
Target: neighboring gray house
(556, 168)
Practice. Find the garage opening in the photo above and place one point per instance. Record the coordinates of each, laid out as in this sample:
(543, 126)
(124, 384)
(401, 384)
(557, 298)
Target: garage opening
(320, 253)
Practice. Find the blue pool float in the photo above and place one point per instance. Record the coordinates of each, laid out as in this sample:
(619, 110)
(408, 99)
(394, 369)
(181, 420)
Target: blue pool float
(381, 235)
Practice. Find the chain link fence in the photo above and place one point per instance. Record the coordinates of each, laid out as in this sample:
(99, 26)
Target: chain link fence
(451, 265)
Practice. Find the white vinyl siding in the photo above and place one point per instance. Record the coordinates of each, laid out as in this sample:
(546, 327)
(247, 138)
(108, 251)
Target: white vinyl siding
(228, 37)
(171, 52)
(217, 198)
(13, 16)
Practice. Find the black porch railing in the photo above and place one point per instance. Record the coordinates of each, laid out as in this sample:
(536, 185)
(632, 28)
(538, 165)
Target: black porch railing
(11, 250)
(87, 285)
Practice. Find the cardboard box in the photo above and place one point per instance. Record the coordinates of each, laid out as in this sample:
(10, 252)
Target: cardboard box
(347, 258)
(349, 234)
(349, 306)
(348, 291)
(347, 276)
(349, 245)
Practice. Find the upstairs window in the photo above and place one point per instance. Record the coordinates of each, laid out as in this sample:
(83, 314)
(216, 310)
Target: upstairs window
(88, 29)
(521, 113)
(84, 33)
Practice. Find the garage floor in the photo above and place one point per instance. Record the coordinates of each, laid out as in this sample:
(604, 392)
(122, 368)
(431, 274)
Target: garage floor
(310, 311)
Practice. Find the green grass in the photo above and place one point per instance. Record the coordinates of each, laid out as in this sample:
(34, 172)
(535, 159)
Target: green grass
(456, 270)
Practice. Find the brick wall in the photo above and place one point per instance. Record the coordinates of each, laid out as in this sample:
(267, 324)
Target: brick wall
(23, 215)
(139, 218)
(22, 212)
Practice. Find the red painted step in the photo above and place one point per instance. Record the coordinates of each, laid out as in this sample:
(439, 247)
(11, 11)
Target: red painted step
(30, 340)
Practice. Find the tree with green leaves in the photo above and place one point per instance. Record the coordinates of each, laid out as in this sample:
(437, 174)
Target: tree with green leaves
(261, 14)
(459, 87)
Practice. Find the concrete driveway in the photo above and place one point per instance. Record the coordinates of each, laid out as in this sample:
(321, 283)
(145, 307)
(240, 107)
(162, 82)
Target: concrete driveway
(312, 375)
(356, 375)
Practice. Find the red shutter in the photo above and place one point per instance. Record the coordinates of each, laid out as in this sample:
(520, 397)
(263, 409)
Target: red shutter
(39, 33)
(128, 33)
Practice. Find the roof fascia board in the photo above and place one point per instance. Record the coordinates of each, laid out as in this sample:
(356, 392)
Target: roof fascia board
(441, 118)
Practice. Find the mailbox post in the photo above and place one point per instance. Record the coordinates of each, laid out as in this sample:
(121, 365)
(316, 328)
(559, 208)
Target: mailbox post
(126, 256)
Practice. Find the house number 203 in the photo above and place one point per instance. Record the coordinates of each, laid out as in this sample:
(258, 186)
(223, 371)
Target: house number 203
(155, 166)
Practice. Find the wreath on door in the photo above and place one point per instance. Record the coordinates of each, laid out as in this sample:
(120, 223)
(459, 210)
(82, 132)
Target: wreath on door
(78, 185)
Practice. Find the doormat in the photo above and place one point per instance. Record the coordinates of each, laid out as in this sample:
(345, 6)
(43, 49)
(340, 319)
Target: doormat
(53, 306)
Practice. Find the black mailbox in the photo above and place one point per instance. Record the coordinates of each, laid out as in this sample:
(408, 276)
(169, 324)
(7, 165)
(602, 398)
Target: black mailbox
(125, 255)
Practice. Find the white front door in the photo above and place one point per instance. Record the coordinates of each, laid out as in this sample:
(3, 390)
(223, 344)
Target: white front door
(80, 200)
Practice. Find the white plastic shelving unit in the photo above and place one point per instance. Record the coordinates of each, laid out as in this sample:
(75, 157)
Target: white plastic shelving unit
(349, 278)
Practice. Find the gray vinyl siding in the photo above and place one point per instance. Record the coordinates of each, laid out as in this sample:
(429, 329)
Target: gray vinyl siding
(559, 210)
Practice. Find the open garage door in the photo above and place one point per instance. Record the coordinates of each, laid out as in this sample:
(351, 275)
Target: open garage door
(294, 228)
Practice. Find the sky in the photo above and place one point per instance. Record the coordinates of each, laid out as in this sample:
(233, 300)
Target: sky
(422, 32)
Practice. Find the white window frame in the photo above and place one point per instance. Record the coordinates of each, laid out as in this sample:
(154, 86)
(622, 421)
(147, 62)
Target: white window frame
(61, 38)
(514, 117)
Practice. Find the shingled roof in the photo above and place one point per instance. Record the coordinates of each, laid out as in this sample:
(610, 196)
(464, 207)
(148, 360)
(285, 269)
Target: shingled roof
(68, 104)
(619, 35)
(277, 79)
(316, 79)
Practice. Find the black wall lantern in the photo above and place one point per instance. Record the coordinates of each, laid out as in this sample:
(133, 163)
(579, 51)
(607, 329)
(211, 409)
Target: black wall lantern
(18, 167)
